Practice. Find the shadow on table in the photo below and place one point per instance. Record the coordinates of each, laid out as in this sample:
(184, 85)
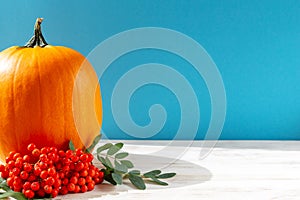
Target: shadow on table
(187, 173)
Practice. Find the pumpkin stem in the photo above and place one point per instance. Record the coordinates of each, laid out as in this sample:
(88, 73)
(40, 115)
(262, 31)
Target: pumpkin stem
(38, 38)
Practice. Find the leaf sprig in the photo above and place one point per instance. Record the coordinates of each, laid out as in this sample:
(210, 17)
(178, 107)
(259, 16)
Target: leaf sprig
(7, 192)
(117, 168)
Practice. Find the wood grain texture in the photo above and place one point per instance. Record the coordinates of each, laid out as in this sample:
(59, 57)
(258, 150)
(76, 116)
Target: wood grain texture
(233, 170)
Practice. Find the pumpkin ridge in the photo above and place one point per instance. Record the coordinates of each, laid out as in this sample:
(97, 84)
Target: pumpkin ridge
(37, 60)
(56, 52)
(16, 68)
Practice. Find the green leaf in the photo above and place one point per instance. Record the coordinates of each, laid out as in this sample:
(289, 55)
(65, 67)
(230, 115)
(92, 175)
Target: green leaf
(117, 178)
(120, 167)
(128, 163)
(135, 172)
(71, 146)
(137, 181)
(4, 186)
(152, 173)
(108, 162)
(114, 149)
(104, 147)
(158, 181)
(119, 145)
(16, 195)
(109, 179)
(95, 142)
(166, 175)
(103, 161)
(121, 155)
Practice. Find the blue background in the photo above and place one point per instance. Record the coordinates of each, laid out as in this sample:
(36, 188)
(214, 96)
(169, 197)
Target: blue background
(255, 45)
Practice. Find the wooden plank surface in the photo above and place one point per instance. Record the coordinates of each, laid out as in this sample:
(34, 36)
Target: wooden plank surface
(232, 170)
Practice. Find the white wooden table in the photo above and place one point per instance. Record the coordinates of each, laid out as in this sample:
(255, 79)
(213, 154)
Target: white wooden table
(233, 170)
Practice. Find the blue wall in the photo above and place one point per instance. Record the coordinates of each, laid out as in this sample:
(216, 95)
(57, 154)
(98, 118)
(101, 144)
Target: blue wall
(255, 45)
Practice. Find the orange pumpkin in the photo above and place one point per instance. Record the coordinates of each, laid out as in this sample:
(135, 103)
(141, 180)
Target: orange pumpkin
(49, 95)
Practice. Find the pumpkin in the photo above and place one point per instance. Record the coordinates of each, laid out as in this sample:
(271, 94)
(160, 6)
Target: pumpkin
(49, 95)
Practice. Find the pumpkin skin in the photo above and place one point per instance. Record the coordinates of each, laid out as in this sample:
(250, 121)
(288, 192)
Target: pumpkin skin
(48, 95)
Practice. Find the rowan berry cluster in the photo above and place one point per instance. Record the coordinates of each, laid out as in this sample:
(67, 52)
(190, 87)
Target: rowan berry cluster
(47, 172)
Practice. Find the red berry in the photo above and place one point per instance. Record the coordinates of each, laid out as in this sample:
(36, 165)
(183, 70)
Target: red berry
(74, 158)
(45, 150)
(50, 181)
(76, 174)
(81, 181)
(2, 167)
(48, 189)
(35, 186)
(16, 171)
(74, 180)
(63, 190)
(91, 186)
(69, 153)
(66, 161)
(16, 156)
(27, 185)
(78, 152)
(101, 174)
(44, 174)
(29, 194)
(53, 150)
(54, 193)
(51, 156)
(84, 157)
(11, 154)
(65, 181)
(31, 147)
(61, 153)
(86, 165)
(11, 164)
(17, 188)
(37, 171)
(5, 174)
(51, 171)
(26, 158)
(79, 166)
(91, 157)
(43, 165)
(84, 188)
(61, 175)
(43, 158)
(41, 192)
(84, 173)
(58, 165)
(77, 189)
(19, 162)
(97, 180)
(66, 168)
(7, 159)
(91, 172)
(72, 166)
(17, 181)
(24, 175)
(88, 179)
(56, 159)
(32, 178)
(71, 187)
(57, 183)
(27, 167)
(10, 181)
(36, 152)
